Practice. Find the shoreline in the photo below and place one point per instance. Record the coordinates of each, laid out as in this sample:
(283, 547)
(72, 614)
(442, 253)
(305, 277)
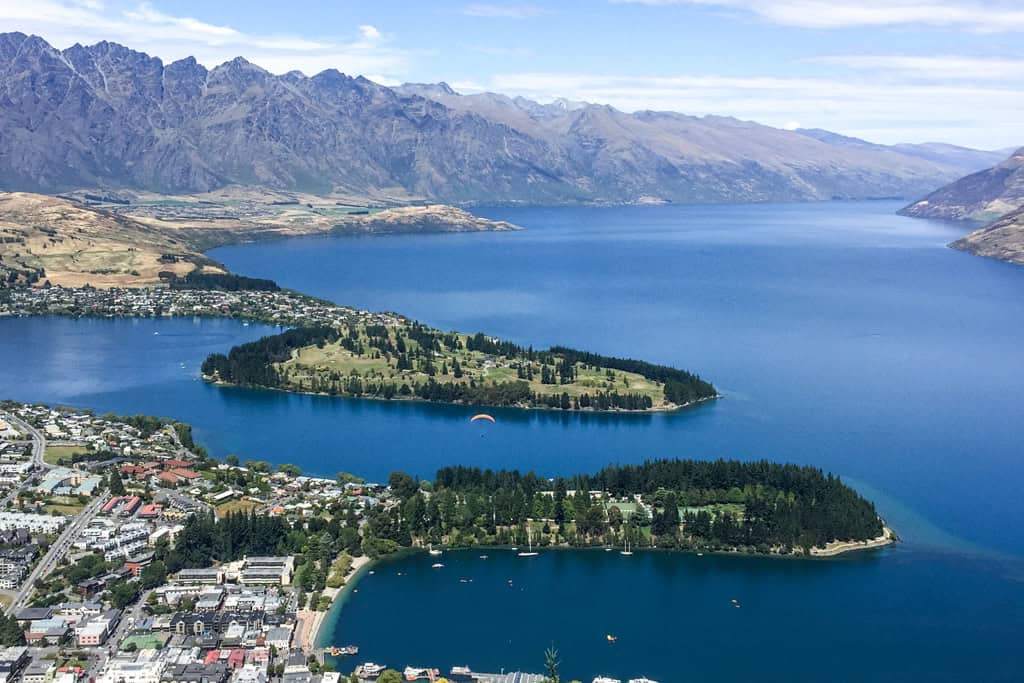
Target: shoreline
(312, 638)
(836, 548)
(546, 409)
(317, 637)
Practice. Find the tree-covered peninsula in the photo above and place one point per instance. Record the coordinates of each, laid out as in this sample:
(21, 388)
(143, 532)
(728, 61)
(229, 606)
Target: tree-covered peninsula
(725, 505)
(408, 360)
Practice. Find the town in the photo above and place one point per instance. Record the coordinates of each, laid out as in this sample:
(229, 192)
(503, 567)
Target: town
(275, 307)
(91, 509)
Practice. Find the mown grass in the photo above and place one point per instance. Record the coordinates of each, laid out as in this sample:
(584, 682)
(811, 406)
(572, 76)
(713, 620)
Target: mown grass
(335, 358)
(54, 454)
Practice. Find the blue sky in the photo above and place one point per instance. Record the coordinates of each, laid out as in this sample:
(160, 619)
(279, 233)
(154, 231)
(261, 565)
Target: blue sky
(886, 70)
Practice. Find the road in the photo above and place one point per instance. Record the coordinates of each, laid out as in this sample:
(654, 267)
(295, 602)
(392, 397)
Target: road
(38, 451)
(132, 615)
(38, 440)
(59, 548)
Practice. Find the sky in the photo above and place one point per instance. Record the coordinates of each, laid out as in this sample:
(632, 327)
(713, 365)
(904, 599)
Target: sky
(885, 70)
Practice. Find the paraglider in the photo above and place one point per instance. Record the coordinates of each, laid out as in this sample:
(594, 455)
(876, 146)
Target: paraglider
(481, 416)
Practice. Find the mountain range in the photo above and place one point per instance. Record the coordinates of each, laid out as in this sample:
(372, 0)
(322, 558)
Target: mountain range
(106, 116)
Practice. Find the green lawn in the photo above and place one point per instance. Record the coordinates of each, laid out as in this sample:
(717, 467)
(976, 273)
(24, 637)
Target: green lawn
(63, 505)
(334, 358)
(235, 506)
(54, 454)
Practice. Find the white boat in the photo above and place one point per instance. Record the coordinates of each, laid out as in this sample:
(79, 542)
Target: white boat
(369, 670)
(641, 680)
(432, 551)
(605, 679)
(413, 673)
(625, 548)
(529, 541)
(436, 565)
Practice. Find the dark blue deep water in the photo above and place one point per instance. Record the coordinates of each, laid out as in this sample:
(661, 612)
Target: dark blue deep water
(841, 335)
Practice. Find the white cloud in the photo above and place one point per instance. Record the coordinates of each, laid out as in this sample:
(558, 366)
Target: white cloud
(502, 11)
(170, 37)
(369, 32)
(971, 15)
(932, 67)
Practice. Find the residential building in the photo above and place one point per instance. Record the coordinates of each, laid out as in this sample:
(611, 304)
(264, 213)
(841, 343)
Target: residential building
(46, 524)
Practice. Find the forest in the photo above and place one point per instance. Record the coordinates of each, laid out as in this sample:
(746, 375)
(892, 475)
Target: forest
(759, 507)
(228, 282)
(415, 361)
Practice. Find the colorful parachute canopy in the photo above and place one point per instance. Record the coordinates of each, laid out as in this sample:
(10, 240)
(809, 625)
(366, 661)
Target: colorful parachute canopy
(481, 416)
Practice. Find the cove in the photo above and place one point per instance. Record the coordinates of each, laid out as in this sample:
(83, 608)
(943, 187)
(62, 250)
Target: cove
(889, 615)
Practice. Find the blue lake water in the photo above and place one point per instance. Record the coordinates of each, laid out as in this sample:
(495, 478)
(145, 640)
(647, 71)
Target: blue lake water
(841, 335)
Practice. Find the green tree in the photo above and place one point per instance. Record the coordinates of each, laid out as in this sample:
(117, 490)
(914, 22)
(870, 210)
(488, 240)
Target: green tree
(123, 594)
(114, 484)
(551, 665)
(390, 676)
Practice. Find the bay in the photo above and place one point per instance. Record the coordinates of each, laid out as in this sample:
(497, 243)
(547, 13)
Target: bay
(840, 334)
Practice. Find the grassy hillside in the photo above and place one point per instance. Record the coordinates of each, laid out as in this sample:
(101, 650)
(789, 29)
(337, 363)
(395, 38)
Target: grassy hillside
(48, 238)
(410, 360)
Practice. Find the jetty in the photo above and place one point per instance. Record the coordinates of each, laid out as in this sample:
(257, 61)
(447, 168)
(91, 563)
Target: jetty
(462, 673)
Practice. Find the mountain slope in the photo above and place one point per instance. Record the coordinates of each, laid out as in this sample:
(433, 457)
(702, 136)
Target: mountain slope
(107, 116)
(1002, 239)
(983, 195)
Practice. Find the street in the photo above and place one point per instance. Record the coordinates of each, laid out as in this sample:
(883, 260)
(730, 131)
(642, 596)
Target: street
(57, 551)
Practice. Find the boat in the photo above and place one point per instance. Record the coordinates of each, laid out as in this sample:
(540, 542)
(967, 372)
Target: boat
(412, 673)
(625, 549)
(605, 679)
(483, 557)
(611, 638)
(343, 651)
(529, 541)
(641, 680)
(432, 551)
(369, 670)
(461, 673)
(436, 565)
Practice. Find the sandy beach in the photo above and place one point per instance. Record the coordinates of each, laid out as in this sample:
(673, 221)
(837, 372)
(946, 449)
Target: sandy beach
(839, 547)
(309, 621)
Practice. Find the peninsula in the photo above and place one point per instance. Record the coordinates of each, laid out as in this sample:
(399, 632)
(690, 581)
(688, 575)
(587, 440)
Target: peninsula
(408, 360)
(342, 351)
(130, 239)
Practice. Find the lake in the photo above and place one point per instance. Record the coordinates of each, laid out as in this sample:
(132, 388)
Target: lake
(840, 334)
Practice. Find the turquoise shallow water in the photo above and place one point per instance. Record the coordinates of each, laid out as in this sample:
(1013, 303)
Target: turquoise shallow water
(841, 335)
